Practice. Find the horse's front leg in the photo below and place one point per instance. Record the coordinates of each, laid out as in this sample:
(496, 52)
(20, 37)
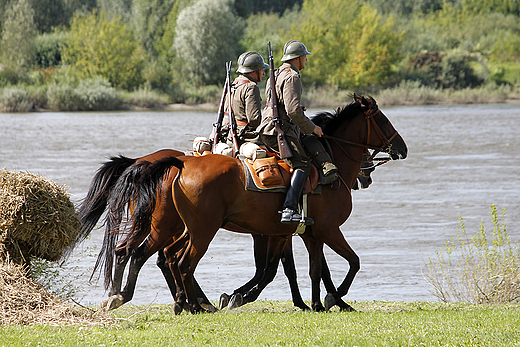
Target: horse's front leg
(260, 244)
(275, 248)
(290, 272)
(337, 243)
(315, 249)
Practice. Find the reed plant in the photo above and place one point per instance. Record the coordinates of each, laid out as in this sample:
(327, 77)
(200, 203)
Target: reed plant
(483, 268)
(145, 97)
(15, 99)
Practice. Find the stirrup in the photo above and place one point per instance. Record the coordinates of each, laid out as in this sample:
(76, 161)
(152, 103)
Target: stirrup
(291, 216)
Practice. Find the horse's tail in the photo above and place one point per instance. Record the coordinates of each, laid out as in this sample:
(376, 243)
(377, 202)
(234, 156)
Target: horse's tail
(93, 205)
(146, 197)
(122, 193)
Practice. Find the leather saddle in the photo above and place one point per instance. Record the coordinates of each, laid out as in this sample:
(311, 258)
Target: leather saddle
(254, 183)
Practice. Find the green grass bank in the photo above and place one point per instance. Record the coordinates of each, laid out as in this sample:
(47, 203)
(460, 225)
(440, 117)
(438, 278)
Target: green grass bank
(272, 323)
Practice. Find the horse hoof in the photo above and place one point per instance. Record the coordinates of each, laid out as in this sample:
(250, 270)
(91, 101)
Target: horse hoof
(177, 309)
(103, 304)
(347, 308)
(235, 301)
(329, 301)
(224, 301)
(208, 307)
(114, 302)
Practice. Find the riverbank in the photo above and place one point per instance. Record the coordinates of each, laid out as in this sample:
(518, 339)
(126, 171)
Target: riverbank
(25, 99)
(270, 323)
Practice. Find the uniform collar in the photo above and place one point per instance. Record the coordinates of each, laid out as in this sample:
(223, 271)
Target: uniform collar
(291, 66)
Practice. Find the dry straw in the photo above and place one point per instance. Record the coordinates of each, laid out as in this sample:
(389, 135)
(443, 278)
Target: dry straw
(37, 218)
(25, 302)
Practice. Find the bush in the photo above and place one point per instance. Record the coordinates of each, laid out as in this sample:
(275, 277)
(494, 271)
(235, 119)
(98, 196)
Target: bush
(89, 94)
(478, 269)
(443, 70)
(48, 49)
(146, 98)
(15, 99)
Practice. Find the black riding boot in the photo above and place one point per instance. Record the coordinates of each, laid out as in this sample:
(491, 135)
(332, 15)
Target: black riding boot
(290, 206)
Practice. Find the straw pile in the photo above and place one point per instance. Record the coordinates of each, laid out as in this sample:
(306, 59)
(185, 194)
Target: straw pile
(24, 302)
(37, 218)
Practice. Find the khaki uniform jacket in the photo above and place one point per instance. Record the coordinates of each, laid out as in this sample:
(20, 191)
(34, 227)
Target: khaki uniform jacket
(247, 109)
(289, 93)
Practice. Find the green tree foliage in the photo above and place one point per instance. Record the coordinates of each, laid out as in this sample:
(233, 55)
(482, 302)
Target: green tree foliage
(279, 6)
(444, 70)
(486, 6)
(49, 14)
(147, 18)
(19, 31)
(353, 47)
(262, 28)
(107, 48)
(48, 49)
(121, 8)
(207, 35)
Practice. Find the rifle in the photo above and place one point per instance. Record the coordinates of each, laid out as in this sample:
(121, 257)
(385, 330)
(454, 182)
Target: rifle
(283, 147)
(217, 126)
(232, 121)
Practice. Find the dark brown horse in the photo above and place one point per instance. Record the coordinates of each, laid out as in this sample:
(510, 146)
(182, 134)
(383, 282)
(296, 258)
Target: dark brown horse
(209, 194)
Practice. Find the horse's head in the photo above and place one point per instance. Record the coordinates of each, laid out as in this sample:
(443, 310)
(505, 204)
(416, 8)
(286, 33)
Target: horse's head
(362, 124)
(381, 134)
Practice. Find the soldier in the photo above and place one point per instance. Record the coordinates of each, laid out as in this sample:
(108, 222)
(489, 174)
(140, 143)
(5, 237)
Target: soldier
(245, 97)
(293, 122)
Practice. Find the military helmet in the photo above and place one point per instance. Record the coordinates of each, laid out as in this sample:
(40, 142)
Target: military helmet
(250, 61)
(294, 49)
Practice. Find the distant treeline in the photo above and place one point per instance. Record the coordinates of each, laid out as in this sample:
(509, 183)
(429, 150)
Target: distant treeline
(179, 47)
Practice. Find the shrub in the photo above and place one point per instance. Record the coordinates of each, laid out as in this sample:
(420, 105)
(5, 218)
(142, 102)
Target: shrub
(89, 94)
(15, 99)
(481, 268)
(146, 98)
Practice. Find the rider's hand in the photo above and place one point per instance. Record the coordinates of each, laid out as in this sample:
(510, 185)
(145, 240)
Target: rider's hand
(318, 131)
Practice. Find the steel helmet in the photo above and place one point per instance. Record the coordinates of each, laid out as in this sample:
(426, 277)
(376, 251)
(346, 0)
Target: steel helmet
(294, 49)
(250, 61)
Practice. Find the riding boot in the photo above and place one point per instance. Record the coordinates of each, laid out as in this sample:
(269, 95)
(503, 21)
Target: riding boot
(321, 158)
(290, 206)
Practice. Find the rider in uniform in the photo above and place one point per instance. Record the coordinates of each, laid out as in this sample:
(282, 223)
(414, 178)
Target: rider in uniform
(245, 98)
(294, 122)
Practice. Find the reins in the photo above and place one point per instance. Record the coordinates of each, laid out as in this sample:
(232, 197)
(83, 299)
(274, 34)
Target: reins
(386, 141)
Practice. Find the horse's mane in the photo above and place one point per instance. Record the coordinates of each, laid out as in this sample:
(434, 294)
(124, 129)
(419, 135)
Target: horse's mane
(330, 122)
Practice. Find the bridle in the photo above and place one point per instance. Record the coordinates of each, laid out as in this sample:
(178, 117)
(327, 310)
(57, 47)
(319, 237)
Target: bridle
(371, 122)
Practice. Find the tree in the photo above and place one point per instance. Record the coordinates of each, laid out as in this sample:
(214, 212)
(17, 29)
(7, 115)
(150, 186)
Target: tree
(121, 8)
(19, 31)
(353, 47)
(147, 18)
(206, 36)
(107, 48)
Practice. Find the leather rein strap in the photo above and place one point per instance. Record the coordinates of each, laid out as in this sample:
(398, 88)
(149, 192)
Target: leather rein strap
(369, 116)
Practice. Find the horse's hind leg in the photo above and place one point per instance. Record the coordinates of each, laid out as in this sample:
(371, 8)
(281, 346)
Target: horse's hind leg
(290, 272)
(172, 254)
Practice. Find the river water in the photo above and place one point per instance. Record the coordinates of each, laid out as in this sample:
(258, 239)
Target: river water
(461, 160)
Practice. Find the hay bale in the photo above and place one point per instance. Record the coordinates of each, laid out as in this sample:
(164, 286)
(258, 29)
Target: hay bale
(23, 301)
(37, 218)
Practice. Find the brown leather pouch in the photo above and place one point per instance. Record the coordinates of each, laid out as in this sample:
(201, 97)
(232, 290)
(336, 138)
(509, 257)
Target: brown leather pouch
(268, 171)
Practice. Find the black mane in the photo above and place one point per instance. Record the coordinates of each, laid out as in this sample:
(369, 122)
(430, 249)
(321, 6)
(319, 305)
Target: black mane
(330, 122)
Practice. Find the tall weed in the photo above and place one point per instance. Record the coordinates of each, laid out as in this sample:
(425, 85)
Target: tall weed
(15, 99)
(480, 268)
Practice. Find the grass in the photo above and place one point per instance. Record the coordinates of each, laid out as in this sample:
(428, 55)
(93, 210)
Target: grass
(272, 323)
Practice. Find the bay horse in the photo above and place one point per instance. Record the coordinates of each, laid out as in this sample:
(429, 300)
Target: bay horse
(209, 194)
(114, 185)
